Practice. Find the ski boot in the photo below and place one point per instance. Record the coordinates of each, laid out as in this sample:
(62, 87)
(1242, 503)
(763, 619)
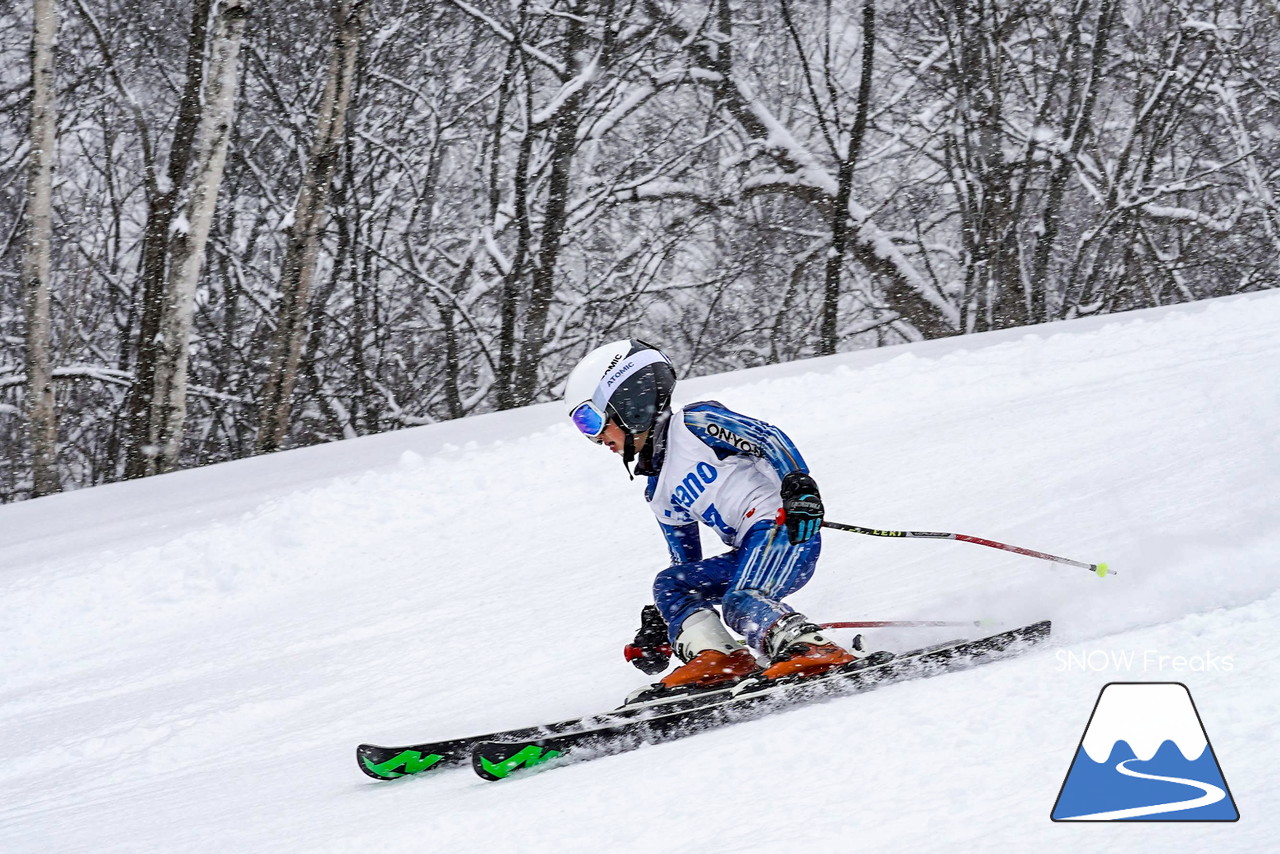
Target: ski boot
(798, 648)
(711, 656)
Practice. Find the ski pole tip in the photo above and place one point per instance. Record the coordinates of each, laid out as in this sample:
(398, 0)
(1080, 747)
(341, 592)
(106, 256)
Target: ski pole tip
(1103, 570)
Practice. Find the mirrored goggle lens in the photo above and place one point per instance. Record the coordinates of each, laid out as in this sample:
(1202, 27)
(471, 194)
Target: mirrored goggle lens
(589, 419)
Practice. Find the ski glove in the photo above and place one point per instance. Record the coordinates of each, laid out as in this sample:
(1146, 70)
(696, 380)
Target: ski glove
(651, 650)
(801, 507)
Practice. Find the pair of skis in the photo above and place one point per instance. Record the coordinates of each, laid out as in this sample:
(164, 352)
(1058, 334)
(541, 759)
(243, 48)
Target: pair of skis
(497, 755)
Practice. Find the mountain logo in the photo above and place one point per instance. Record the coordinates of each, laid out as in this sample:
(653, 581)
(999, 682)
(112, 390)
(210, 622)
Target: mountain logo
(1145, 756)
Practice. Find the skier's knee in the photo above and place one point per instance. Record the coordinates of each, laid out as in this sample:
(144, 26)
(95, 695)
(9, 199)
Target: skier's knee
(671, 581)
(742, 610)
(673, 593)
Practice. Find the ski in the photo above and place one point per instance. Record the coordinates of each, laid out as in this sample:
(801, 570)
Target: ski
(391, 763)
(497, 758)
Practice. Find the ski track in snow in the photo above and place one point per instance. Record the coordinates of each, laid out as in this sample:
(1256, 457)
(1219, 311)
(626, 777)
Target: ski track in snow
(191, 659)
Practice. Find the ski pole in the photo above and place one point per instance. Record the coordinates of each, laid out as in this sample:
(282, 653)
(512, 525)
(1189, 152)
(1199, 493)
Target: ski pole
(1099, 569)
(879, 624)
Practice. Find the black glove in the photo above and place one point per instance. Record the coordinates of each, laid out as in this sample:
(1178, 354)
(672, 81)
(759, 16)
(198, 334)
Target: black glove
(801, 506)
(651, 650)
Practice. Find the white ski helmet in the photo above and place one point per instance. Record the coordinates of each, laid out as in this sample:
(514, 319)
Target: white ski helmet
(628, 382)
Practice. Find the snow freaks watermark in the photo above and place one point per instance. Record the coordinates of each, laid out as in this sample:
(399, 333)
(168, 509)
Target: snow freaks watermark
(1141, 661)
(1145, 756)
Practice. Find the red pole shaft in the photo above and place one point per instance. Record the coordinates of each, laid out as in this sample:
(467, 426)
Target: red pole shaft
(1100, 569)
(878, 624)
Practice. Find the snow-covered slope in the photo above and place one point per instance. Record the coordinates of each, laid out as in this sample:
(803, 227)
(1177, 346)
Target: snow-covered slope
(190, 660)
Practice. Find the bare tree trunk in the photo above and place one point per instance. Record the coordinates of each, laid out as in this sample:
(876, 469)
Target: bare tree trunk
(828, 338)
(982, 174)
(187, 243)
(564, 143)
(522, 181)
(36, 261)
(309, 218)
(162, 199)
(1085, 83)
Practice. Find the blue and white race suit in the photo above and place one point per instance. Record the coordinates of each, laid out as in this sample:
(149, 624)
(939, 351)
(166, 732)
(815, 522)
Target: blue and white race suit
(711, 465)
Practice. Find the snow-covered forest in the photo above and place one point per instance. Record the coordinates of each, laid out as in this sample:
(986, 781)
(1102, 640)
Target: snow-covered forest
(232, 226)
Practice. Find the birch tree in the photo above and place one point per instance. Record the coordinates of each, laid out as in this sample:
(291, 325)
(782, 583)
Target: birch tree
(41, 412)
(163, 192)
(190, 235)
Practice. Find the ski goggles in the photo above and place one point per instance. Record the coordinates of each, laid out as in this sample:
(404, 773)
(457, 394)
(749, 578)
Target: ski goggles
(589, 418)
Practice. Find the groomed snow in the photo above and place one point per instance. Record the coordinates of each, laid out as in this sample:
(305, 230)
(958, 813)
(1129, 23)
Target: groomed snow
(190, 660)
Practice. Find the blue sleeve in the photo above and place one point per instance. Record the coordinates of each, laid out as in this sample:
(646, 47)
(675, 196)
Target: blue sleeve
(727, 432)
(683, 542)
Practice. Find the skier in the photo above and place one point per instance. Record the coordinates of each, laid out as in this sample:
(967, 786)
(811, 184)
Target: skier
(739, 476)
